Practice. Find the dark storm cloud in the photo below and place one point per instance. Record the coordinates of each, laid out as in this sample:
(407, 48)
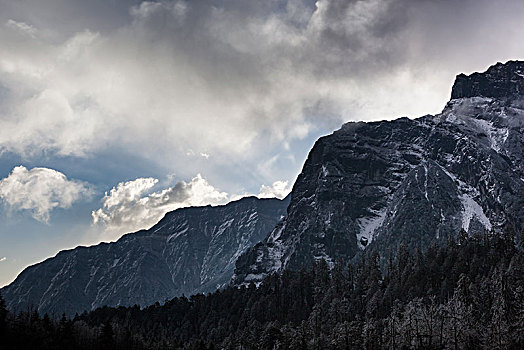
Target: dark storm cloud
(232, 79)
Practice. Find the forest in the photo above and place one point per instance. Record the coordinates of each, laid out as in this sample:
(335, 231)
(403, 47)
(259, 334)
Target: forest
(467, 293)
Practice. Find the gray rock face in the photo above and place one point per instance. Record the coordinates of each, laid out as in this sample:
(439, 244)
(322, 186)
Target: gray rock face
(500, 80)
(374, 185)
(190, 250)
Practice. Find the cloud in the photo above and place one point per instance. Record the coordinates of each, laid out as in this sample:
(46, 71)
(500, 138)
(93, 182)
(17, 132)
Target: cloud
(22, 27)
(131, 205)
(278, 189)
(3, 259)
(40, 190)
(134, 205)
(243, 79)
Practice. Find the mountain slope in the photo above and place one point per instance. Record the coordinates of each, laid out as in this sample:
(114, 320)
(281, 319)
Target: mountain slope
(375, 185)
(190, 250)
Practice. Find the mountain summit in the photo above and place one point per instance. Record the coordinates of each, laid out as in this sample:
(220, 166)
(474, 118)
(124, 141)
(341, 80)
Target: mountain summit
(412, 181)
(500, 80)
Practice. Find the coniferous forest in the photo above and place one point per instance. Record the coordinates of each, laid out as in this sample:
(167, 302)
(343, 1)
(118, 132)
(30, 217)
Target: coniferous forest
(465, 294)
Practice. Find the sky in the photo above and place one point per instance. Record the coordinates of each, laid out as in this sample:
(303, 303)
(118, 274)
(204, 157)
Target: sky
(114, 112)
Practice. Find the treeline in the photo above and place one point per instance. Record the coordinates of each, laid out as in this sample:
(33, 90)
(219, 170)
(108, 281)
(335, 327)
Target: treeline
(466, 294)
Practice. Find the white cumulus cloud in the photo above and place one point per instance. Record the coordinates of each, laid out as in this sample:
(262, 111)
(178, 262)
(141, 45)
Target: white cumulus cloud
(131, 205)
(40, 190)
(278, 189)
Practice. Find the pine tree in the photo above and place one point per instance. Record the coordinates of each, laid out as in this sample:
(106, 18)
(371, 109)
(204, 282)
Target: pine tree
(107, 336)
(3, 316)
(498, 328)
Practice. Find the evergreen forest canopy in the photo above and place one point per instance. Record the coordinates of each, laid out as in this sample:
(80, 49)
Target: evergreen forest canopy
(466, 294)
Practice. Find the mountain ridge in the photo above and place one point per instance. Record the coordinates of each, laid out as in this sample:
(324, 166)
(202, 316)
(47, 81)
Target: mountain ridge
(413, 181)
(190, 250)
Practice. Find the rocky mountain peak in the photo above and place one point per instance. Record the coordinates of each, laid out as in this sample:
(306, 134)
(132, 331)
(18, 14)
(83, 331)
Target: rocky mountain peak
(500, 80)
(374, 186)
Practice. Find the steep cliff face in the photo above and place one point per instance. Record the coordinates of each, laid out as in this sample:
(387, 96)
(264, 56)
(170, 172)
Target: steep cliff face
(190, 250)
(374, 185)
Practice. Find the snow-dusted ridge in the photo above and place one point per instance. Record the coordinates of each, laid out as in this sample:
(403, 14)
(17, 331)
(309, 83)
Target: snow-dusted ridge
(190, 250)
(375, 185)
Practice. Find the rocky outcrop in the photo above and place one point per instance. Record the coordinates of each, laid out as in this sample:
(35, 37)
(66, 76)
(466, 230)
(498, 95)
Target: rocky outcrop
(500, 80)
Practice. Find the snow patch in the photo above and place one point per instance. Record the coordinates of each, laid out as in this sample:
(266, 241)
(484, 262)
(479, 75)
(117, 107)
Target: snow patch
(327, 222)
(255, 277)
(326, 258)
(426, 182)
(176, 234)
(451, 118)
(115, 262)
(275, 234)
(222, 228)
(324, 171)
(368, 226)
(497, 136)
(472, 209)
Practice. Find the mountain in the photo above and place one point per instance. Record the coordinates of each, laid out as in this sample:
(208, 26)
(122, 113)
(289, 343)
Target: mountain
(413, 181)
(190, 250)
